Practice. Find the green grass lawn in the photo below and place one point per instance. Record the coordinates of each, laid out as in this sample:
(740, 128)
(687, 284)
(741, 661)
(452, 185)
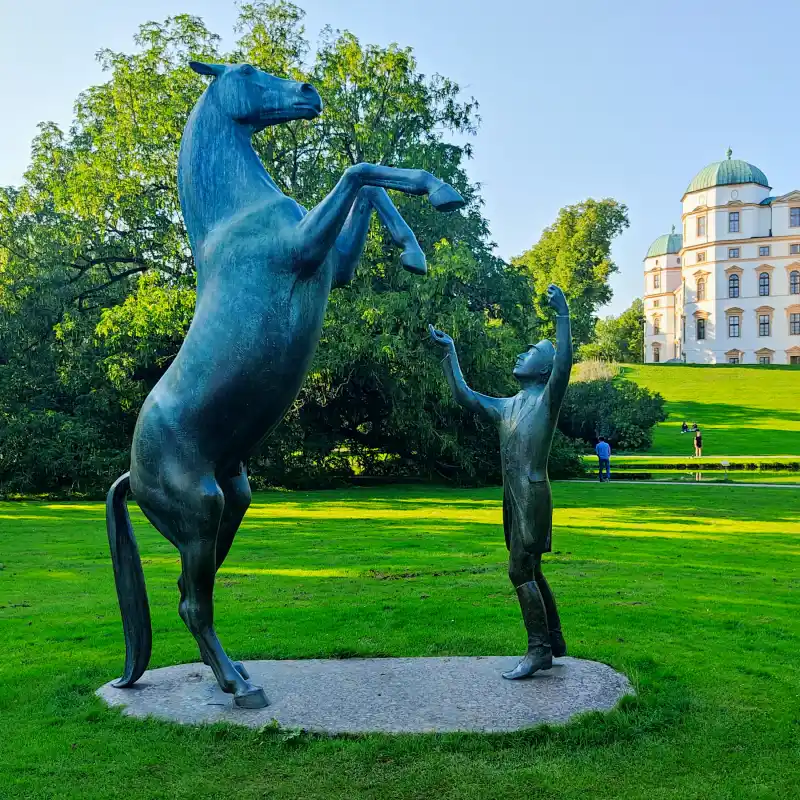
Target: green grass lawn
(693, 591)
(741, 410)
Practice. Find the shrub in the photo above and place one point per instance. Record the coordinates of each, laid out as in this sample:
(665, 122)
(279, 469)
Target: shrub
(620, 410)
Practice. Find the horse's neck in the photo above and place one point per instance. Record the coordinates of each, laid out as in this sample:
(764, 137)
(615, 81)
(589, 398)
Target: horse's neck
(219, 173)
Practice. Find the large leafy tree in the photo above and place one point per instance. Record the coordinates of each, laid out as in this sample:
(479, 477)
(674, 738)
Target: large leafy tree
(97, 279)
(575, 253)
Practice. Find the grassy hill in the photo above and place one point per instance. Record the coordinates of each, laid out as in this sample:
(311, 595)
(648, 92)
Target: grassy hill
(741, 410)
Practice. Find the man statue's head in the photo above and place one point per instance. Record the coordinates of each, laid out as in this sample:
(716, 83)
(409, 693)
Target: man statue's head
(535, 364)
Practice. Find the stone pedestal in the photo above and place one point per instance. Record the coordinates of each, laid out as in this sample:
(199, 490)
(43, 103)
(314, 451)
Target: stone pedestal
(386, 695)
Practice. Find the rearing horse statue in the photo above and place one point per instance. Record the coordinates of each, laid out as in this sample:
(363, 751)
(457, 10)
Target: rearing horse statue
(265, 268)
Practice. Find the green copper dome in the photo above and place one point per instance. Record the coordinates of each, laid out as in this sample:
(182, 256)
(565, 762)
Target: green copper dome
(725, 173)
(667, 244)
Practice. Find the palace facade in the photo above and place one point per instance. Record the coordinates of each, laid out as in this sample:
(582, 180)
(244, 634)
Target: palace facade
(727, 290)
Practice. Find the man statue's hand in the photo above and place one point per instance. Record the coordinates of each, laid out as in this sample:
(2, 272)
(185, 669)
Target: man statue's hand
(557, 301)
(440, 338)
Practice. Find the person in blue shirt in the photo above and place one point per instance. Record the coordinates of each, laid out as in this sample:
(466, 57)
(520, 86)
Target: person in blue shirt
(603, 450)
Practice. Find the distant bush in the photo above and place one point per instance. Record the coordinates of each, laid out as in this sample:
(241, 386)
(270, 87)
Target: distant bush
(620, 410)
(594, 370)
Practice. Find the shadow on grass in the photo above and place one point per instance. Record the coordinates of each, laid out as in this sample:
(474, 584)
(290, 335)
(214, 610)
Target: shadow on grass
(731, 415)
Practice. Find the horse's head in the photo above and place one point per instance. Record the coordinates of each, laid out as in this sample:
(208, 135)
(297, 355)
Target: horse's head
(255, 98)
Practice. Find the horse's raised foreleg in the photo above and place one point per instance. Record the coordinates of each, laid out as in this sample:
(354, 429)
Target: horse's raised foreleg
(349, 246)
(317, 232)
(412, 257)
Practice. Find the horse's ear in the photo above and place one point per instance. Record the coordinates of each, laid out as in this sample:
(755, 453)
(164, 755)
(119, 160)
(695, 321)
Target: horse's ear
(202, 68)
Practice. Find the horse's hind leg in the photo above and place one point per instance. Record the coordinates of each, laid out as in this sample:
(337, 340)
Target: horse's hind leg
(197, 526)
(237, 494)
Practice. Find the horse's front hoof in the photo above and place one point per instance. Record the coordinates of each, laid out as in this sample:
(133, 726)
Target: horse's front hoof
(254, 697)
(446, 198)
(414, 261)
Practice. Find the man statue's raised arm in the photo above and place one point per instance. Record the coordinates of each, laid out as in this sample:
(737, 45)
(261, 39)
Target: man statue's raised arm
(463, 395)
(562, 362)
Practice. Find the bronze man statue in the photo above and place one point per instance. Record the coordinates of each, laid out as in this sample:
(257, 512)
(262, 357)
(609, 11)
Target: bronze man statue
(527, 422)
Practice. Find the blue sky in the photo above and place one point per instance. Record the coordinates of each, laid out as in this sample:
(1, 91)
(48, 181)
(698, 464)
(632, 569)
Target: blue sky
(578, 99)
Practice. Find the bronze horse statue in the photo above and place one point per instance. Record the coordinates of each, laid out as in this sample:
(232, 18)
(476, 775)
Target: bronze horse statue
(265, 269)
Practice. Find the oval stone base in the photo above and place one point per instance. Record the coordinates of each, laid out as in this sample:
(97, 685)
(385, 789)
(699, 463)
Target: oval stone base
(386, 695)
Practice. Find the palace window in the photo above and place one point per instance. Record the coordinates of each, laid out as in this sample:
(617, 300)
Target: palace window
(656, 354)
(763, 250)
(656, 303)
(701, 329)
(794, 217)
(794, 249)
(764, 360)
(794, 324)
(679, 260)
(701, 226)
(794, 360)
(763, 324)
(733, 222)
(794, 282)
(763, 284)
(733, 252)
(701, 256)
(657, 280)
(733, 359)
(701, 289)
(733, 326)
(733, 286)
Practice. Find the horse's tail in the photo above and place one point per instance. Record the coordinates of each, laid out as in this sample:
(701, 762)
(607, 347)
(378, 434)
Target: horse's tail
(129, 579)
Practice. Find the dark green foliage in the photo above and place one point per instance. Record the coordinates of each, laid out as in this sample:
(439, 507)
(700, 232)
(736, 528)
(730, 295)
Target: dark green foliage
(97, 281)
(575, 253)
(618, 409)
(619, 339)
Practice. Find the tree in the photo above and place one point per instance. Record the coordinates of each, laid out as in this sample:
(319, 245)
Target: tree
(618, 409)
(575, 253)
(97, 279)
(619, 339)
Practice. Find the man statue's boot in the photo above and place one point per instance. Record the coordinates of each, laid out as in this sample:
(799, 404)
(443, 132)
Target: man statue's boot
(534, 615)
(557, 643)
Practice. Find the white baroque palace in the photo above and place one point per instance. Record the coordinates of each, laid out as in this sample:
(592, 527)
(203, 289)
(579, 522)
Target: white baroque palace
(728, 289)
